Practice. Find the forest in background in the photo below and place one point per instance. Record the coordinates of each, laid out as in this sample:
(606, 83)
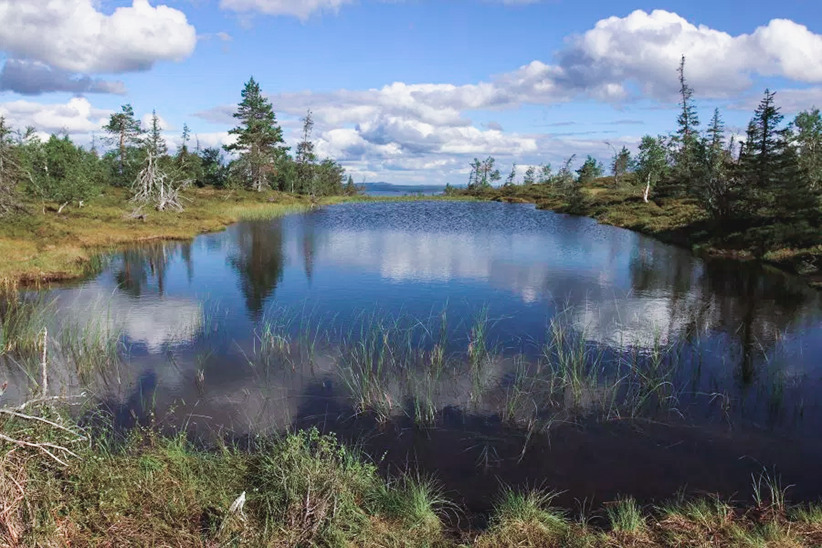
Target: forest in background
(137, 158)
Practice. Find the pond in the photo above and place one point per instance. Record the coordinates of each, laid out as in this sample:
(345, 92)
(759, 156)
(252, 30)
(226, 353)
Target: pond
(483, 343)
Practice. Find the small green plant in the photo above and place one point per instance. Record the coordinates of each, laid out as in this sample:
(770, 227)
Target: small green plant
(625, 516)
(768, 491)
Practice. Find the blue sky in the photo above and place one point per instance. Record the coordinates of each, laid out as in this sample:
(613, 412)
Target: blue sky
(409, 91)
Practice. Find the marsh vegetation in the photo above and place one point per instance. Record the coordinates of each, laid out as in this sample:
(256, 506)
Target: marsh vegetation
(199, 372)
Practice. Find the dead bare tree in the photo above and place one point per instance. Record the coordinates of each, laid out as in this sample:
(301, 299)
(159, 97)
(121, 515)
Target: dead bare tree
(158, 185)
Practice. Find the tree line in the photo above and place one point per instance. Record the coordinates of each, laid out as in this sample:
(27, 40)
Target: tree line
(772, 175)
(57, 170)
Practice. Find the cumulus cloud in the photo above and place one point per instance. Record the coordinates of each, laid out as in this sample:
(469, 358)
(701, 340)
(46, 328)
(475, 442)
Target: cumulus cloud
(76, 116)
(52, 44)
(645, 48)
(34, 78)
(73, 35)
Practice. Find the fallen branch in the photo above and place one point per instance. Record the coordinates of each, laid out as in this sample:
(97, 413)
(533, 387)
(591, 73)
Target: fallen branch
(35, 401)
(45, 421)
(42, 446)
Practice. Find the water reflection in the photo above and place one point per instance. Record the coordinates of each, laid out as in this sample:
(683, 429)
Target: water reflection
(742, 326)
(740, 343)
(525, 265)
(257, 256)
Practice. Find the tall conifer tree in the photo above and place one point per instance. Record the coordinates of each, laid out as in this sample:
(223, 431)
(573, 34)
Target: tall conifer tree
(259, 138)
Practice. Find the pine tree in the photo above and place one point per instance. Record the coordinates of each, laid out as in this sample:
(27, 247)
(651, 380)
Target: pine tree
(186, 137)
(350, 187)
(476, 178)
(328, 178)
(124, 132)
(213, 171)
(564, 177)
(591, 169)
(259, 137)
(491, 173)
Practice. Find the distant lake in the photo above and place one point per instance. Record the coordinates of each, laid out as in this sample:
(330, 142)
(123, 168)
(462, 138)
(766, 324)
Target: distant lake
(385, 189)
(479, 342)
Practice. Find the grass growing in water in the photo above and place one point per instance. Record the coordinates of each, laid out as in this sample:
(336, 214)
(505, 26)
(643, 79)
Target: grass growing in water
(22, 319)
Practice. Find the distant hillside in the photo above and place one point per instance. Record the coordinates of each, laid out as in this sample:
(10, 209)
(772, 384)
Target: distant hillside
(402, 189)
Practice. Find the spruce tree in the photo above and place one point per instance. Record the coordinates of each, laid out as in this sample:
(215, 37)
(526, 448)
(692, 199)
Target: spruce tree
(154, 142)
(717, 187)
(259, 138)
(686, 140)
(306, 159)
(766, 163)
(621, 164)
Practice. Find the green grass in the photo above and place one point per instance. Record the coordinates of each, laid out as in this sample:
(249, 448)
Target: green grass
(526, 518)
(625, 516)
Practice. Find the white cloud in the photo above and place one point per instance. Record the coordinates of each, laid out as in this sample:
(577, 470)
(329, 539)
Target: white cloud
(645, 49)
(77, 116)
(216, 139)
(72, 35)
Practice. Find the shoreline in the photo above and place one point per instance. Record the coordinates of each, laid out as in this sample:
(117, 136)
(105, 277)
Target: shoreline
(671, 221)
(42, 248)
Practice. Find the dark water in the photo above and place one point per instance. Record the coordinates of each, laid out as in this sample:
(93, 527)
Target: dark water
(748, 345)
